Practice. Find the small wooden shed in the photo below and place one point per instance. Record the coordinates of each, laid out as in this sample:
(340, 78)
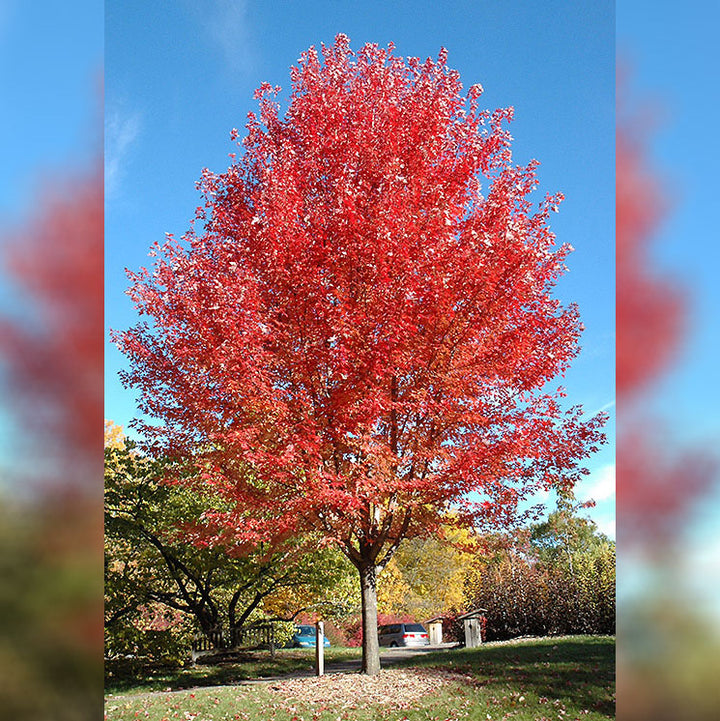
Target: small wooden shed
(434, 627)
(473, 626)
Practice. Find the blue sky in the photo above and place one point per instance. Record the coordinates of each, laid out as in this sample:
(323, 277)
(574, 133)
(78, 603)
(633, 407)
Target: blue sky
(179, 76)
(51, 84)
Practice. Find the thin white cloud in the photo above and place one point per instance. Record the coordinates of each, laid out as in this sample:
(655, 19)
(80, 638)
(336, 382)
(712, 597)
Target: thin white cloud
(606, 407)
(121, 131)
(228, 26)
(540, 496)
(599, 486)
(606, 525)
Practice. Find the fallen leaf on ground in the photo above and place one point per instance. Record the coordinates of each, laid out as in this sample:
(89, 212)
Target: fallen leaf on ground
(400, 689)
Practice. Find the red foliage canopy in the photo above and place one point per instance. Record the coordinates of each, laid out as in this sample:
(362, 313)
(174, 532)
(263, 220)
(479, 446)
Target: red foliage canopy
(360, 334)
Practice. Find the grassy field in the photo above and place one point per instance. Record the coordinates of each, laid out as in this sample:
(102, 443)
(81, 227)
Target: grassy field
(531, 680)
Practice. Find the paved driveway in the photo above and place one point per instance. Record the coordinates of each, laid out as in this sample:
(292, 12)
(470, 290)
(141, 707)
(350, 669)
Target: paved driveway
(390, 655)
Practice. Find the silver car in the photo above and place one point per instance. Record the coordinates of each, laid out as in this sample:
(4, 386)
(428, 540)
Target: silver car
(403, 634)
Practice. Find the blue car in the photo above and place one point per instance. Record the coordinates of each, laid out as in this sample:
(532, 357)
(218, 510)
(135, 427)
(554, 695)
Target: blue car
(304, 637)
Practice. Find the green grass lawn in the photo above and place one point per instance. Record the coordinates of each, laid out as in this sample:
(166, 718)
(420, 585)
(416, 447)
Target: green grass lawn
(575, 673)
(530, 680)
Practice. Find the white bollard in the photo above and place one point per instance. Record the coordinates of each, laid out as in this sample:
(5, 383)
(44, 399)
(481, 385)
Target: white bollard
(319, 648)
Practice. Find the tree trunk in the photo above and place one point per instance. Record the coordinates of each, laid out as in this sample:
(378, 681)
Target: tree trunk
(370, 645)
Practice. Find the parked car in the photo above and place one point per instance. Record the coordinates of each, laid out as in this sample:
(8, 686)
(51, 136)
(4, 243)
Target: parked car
(403, 634)
(304, 637)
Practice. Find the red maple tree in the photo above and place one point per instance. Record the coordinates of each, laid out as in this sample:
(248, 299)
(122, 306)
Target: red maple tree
(357, 340)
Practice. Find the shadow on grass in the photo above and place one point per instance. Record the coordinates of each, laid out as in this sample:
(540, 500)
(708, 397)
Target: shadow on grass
(129, 675)
(578, 670)
(132, 674)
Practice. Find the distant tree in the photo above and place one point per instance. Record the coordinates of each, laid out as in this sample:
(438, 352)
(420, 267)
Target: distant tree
(332, 596)
(393, 591)
(565, 534)
(361, 333)
(428, 577)
(113, 435)
(555, 577)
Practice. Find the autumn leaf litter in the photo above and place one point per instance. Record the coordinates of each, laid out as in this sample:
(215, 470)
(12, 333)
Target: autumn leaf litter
(401, 689)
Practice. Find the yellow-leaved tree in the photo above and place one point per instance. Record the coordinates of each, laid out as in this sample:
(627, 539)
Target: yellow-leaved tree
(430, 577)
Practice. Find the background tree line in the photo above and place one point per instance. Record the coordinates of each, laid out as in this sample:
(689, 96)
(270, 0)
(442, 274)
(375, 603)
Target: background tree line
(165, 581)
(555, 577)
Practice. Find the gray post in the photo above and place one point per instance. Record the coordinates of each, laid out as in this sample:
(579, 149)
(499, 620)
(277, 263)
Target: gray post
(319, 648)
(473, 636)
